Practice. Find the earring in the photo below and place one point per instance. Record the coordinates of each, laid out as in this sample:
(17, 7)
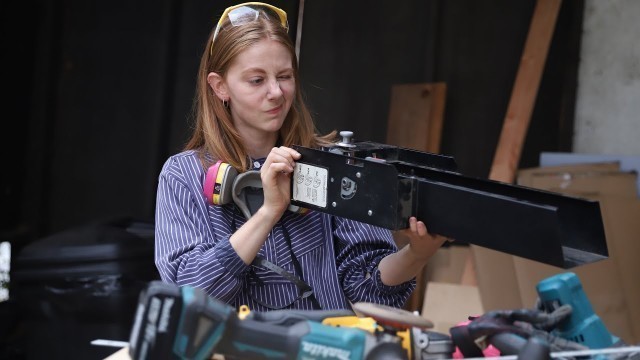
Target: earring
(225, 103)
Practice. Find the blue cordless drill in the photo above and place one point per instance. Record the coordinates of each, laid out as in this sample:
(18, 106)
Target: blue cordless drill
(583, 326)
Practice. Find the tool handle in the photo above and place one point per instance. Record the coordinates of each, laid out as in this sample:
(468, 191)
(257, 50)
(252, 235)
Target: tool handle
(250, 339)
(290, 317)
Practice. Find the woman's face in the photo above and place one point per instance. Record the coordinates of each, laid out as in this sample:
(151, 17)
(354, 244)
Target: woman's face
(261, 87)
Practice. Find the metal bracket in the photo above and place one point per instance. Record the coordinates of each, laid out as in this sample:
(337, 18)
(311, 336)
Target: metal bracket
(384, 185)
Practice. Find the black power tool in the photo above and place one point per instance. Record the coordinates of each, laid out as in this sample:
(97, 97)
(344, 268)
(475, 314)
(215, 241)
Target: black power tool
(185, 323)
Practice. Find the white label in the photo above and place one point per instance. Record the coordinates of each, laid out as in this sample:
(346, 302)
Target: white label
(165, 317)
(310, 184)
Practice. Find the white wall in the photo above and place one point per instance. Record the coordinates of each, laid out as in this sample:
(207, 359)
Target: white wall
(608, 100)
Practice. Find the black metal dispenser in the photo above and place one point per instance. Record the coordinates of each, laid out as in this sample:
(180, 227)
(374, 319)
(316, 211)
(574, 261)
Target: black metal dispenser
(384, 185)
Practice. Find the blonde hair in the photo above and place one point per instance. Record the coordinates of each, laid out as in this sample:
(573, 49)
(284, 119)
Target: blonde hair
(214, 132)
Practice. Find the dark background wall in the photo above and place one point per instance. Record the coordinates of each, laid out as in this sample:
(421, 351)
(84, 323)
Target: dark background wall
(98, 93)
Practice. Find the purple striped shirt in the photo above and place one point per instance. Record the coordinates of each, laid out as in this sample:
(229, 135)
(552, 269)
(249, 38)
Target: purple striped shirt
(338, 257)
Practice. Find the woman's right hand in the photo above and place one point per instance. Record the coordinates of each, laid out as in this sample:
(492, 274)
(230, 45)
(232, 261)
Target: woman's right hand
(276, 179)
(276, 182)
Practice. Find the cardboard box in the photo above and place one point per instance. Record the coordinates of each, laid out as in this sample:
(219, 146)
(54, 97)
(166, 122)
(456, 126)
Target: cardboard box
(525, 175)
(448, 304)
(450, 265)
(450, 294)
(587, 184)
(627, 162)
(611, 285)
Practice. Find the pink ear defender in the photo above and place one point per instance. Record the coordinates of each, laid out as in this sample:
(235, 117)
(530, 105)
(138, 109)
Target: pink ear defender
(210, 181)
(218, 183)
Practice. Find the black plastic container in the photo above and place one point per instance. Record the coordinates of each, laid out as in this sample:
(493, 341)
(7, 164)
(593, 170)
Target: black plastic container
(80, 285)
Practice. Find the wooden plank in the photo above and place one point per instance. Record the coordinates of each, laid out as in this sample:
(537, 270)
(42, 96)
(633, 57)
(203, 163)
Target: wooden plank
(496, 271)
(416, 114)
(525, 91)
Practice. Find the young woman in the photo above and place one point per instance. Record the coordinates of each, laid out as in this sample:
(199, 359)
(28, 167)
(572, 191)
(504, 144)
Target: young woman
(249, 111)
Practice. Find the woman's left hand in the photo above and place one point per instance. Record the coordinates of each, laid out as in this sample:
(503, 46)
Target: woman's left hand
(416, 247)
(422, 244)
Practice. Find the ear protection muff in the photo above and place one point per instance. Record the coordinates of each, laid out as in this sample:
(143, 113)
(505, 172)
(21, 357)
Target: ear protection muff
(218, 183)
(247, 192)
(222, 184)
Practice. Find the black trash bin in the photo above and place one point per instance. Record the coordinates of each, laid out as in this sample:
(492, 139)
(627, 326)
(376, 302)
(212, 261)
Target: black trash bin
(80, 285)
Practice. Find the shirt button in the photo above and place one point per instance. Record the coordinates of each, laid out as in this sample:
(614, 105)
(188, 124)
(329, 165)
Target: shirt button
(256, 165)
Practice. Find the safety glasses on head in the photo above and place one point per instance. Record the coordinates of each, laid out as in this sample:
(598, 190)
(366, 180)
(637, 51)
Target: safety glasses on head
(248, 12)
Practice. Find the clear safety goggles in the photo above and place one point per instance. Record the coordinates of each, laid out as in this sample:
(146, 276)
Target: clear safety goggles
(248, 12)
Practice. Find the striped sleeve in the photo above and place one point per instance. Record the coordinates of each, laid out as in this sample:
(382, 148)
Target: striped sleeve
(187, 251)
(360, 248)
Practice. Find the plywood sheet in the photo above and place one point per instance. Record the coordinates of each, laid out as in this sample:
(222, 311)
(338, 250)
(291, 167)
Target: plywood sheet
(416, 115)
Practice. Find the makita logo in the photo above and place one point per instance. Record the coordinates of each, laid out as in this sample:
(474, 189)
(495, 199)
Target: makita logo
(165, 315)
(323, 351)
